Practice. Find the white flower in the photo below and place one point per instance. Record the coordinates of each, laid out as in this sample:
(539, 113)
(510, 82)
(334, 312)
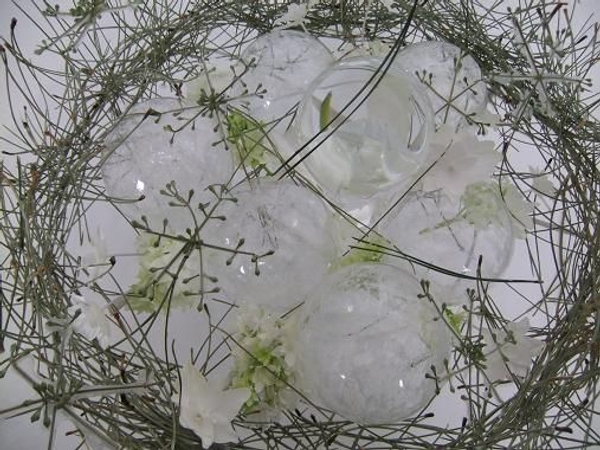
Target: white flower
(264, 360)
(459, 159)
(388, 4)
(295, 15)
(91, 322)
(160, 259)
(206, 408)
(95, 260)
(482, 205)
(521, 210)
(541, 184)
(509, 351)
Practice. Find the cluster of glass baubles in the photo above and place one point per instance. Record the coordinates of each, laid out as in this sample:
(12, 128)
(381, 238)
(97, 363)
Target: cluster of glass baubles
(367, 340)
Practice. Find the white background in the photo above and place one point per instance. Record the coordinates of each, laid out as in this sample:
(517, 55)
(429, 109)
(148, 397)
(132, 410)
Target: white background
(20, 433)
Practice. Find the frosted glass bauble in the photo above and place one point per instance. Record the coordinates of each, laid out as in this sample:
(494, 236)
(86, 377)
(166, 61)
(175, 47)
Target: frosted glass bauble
(457, 88)
(143, 155)
(376, 146)
(282, 63)
(429, 226)
(273, 216)
(366, 342)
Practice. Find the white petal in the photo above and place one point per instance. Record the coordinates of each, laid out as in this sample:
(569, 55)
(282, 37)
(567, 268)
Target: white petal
(388, 4)
(206, 430)
(495, 367)
(459, 159)
(295, 14)
(193, 387)
(512, 351)
(231, 402)
(91, 321)
(224, 432)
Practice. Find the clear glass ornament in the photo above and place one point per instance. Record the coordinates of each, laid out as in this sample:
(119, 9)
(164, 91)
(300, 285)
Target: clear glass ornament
(455, 85)
(143, 155)
(278, 244)
(366, 342)
(378, 141)
(282, 64)
(441, 231)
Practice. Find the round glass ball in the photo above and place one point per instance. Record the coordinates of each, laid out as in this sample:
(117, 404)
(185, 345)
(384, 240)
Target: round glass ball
(379, 135)
(430, 227)
(366, 343)
(454, 82)
(276, 242)
(281, 64)
(143, 155)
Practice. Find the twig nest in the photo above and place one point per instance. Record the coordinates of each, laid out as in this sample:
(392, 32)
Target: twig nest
(160, 141)
(367, 344)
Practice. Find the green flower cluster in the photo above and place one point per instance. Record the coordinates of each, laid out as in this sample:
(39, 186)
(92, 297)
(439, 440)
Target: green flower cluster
(455, 317)
(167, 273)
(249, 138)
(481, 204)
(484, 203)
(368, 252)
(263, 361)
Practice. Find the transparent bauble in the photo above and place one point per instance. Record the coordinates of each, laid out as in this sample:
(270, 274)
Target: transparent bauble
(143, 155)
(453, 79)
(366, 343)
(214, 74)
(437, 230)
(282, 65)
(286, 245)
(379, 136)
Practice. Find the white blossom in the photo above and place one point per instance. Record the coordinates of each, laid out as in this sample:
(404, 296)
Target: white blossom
(295, 15)
(264, 359)
(510, 351)
(91, 322)
(95, 259)
(521, 210)
(388, 4)
(160, 259)
(206, 408)
(482, 205)
(459, 159)
(541, 184)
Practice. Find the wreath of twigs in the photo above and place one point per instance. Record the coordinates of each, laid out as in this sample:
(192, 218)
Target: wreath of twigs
(115, 54)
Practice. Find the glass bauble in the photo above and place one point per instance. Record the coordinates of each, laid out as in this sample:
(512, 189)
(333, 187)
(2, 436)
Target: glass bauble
(143, 155)
(435, 228)
(286, 246)
(455, 85)
(379, 136)
(282, 65)
(366, 343)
